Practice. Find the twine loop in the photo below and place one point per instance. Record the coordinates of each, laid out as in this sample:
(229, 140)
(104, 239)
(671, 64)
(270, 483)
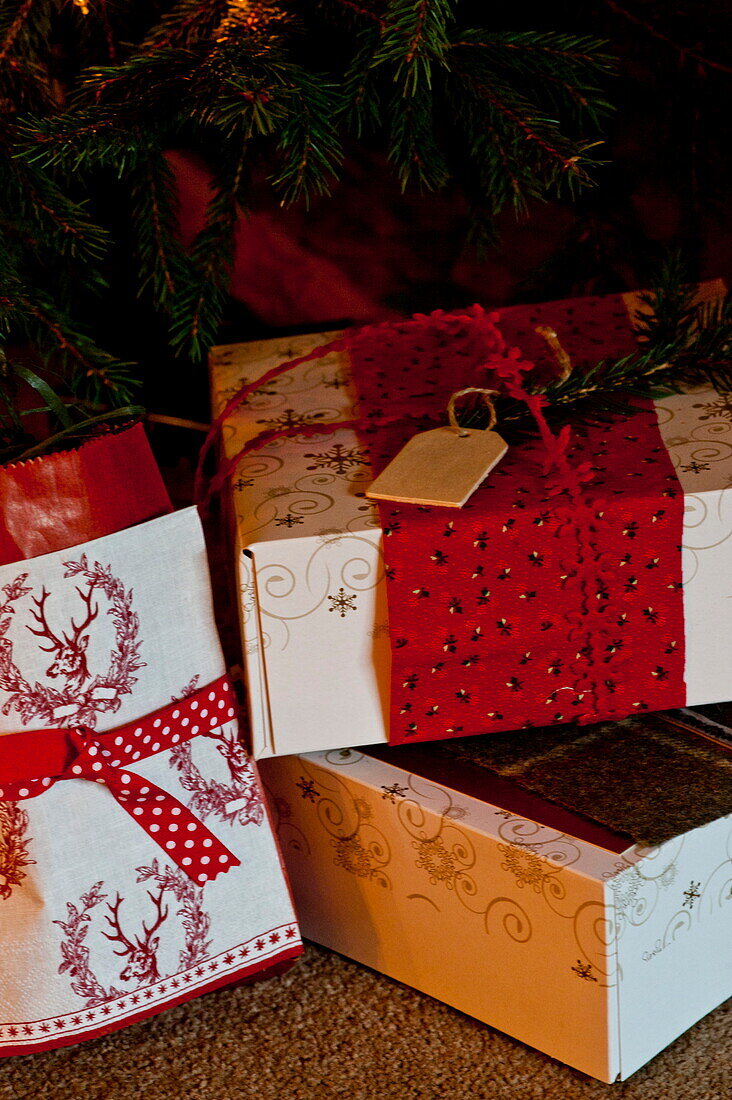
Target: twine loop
(562, 358)
(487, 396)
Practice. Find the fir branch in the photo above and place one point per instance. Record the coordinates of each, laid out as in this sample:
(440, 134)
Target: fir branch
(534, 130)
(53, 221)
(414, 41)
(309, 143)
(186, 23)
(413, 149)
(682, 344)
(200, 302)
(15, 28)
(95, 373)
(569, 65)
(361, 91)
(155, 216)
(80, 139)
(359, 9)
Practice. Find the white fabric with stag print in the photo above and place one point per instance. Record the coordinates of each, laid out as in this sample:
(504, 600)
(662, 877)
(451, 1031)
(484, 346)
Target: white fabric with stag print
(98, 926)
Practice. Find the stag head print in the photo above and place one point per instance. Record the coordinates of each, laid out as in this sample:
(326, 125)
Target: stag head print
(141, 955)
(70, 649)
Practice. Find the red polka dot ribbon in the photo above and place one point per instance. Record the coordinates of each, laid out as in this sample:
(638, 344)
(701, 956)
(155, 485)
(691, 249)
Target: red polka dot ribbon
(31, 762)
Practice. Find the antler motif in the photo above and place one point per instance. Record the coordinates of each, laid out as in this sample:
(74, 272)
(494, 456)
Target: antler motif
(45, 631)
(71, 649)
(142, 954)
(90, 615)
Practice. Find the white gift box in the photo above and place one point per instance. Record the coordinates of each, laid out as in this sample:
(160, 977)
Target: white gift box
(100, 924)
(528, 917)
(309, 549)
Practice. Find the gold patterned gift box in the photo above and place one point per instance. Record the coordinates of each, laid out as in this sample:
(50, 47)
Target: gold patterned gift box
(308, 548)
(558, 930)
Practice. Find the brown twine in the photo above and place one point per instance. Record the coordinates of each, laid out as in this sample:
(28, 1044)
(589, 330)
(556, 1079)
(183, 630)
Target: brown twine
(485, 394)
(563, 361)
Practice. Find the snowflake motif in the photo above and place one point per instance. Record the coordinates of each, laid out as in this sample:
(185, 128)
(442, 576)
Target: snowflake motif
(435, 859)
(625, 887)
(722, 407)
(669, 876)
(288, 521)
(393, 792)
(352, 856)
(342, 602)
(584, 970)
(691, 894)
(330, 536)
(696, 467)
(308, 788)
(363, 809)
(336, 382)
(525, 865)
(338, 458)
(291, 419)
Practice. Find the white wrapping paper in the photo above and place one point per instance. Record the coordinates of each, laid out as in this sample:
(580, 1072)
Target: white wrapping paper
(97, 927)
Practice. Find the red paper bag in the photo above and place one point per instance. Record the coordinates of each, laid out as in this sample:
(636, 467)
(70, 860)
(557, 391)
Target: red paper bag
(68, 497)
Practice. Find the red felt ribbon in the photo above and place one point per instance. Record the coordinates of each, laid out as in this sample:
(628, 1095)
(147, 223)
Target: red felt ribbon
(32, 762)
(554, 594)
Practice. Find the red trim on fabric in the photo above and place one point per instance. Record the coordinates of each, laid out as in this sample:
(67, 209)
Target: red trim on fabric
(275, 965)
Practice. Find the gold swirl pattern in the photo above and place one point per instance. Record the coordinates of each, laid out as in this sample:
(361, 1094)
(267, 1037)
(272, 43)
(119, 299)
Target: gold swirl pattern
(605, 916)
(595, 934)
(360, 847)
(288, 593)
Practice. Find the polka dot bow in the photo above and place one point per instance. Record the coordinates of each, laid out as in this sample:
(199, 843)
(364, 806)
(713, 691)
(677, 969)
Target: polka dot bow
(107, 758)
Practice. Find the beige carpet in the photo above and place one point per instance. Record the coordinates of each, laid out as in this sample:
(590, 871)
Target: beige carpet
(330, 1028)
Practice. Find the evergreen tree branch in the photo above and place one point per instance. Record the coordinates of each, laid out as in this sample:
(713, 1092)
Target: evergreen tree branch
(15, 28)
(186, 23)
(199, 304)
(155, 216)
(96, 373)
(414, 41)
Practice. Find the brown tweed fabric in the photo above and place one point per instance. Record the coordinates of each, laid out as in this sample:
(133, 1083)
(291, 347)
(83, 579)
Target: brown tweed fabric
(641, 777)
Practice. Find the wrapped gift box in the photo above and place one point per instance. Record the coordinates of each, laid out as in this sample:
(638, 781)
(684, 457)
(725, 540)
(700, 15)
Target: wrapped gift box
(309, 546)
(542, 923)
(137, 863)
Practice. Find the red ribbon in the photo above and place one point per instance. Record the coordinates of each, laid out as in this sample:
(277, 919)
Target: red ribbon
(32, 762)
(554, 594)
